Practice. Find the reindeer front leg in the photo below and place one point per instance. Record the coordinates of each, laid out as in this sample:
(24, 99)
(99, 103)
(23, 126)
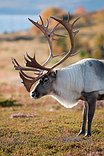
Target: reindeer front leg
(84, 121)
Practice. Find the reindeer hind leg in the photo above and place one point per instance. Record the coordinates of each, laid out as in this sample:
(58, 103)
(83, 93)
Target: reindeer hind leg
(90, 98)
(91, 111)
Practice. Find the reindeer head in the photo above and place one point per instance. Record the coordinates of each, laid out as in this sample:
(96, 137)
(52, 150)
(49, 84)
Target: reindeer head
(45, 85)
(46, 76)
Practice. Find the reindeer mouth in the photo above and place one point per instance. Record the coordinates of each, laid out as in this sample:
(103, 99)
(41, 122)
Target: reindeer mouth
(35, 95)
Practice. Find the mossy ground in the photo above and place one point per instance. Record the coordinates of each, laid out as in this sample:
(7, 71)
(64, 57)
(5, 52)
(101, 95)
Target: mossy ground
(47, 132)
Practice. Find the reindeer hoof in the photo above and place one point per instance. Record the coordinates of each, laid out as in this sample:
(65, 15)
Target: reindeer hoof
(81, 133)
(88, 135)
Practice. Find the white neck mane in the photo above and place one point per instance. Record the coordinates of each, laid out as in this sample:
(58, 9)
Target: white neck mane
(68, 86)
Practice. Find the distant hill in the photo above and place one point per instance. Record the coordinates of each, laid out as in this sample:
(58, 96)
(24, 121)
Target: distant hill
(87, 18)
(47, 13)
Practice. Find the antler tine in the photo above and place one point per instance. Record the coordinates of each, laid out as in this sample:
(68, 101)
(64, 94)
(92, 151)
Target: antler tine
(41, 20)
(31, 62)
(75, 21)
(26, 80)
(37, 25)
(15, 63)
(60, 35)
(47, 24)
(28, 55)
(19, 67)
(68, 16)
(69, 28)
(29, 77)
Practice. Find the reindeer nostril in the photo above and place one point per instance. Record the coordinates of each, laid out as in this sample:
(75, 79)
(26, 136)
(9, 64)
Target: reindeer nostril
(34, 94)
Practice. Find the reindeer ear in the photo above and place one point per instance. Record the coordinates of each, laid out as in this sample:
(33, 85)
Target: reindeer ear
(53, 74)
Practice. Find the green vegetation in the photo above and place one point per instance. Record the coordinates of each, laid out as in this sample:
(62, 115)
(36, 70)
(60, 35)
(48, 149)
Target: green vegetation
(48, 132)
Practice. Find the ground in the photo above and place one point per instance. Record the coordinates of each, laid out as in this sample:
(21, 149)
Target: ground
(44, 127)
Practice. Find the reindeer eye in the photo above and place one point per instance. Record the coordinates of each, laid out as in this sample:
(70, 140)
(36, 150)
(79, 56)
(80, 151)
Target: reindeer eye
(46, 79)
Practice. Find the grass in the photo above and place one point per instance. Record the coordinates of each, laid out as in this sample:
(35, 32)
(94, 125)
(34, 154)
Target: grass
(48, 132)
(8, 103)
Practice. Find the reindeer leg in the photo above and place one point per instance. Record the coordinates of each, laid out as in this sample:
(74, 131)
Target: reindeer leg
(91, 111)
(91, 98)
(85, 112)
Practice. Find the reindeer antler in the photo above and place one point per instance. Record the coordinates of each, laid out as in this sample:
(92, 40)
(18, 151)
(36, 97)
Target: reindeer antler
(49, 35)
(33, 65)
(72, 33)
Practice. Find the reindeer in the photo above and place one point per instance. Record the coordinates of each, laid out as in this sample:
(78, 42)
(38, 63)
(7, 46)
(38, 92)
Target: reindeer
(80, 81)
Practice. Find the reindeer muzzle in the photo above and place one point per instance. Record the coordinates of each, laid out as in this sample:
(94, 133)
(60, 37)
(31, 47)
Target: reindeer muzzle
(35, 94)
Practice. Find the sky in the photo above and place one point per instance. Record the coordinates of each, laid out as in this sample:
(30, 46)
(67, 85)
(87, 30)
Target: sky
(37, 6)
